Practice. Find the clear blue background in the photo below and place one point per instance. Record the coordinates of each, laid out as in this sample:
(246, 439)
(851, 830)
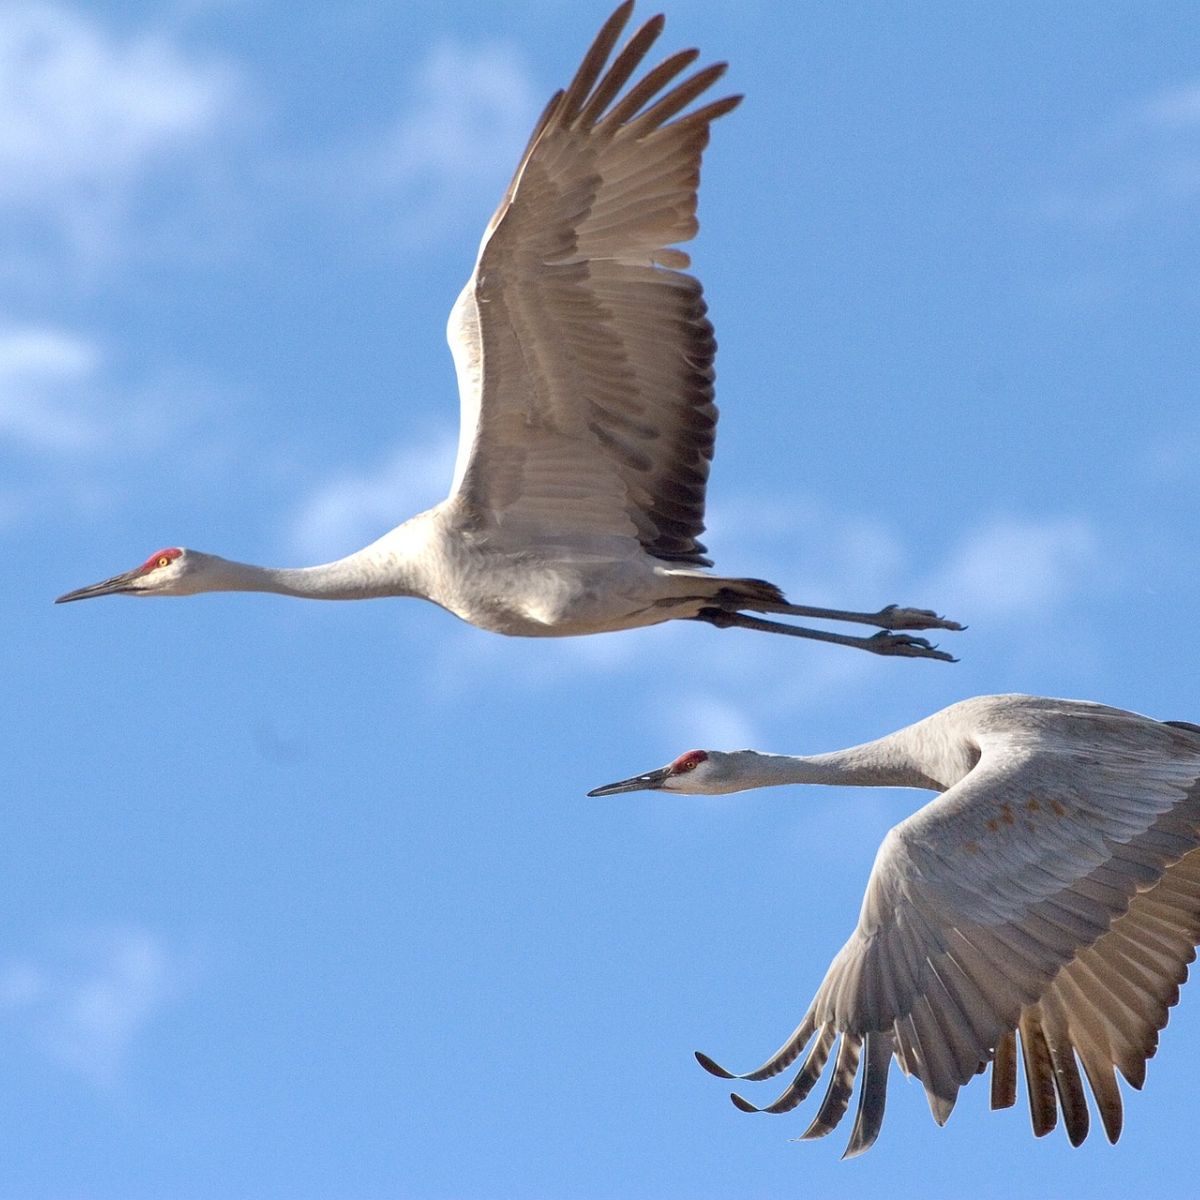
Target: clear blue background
(306, 900)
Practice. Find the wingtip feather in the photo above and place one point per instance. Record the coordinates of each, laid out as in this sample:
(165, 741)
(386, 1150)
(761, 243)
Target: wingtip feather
(713, 1068)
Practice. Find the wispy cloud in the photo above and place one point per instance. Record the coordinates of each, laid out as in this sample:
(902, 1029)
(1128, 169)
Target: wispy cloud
(708, 721)
(85, 1004)
(1172, 108)
(40, 373)
(452, 149)
(352, 509)
(1005, 569)
(59, 399)
(86, 114)
(817, 552)
(1144, 159)
(1018, 568)
(74, 426)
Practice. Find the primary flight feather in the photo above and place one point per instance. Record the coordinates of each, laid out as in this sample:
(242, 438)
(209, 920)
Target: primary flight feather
(584, 358)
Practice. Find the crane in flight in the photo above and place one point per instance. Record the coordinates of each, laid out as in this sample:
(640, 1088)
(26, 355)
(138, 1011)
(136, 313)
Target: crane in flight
(585, 370)
(1051, 893)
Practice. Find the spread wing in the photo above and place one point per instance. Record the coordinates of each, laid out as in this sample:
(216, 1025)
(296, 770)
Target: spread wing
(1054, 894)
(583, 353)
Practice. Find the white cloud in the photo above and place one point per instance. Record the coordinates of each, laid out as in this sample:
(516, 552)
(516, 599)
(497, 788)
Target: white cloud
(81, 106)
(58, 400)
(453, 149)
(818, 553)
(704, 720)
(1173, 108)
(1017, 568)
(75, 436)
(1143, 159)
(85, 113)
(40, 373)
(354, 509)
(85, 1005)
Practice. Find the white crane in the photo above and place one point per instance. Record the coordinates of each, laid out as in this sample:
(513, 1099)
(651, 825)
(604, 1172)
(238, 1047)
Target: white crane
(1052, 891)
(585, 371)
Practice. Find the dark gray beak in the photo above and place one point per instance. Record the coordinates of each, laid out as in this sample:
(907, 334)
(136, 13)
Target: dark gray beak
(109, 587)
(639, 783)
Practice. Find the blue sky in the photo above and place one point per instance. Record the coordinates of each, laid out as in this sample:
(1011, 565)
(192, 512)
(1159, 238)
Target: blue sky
(306, 900)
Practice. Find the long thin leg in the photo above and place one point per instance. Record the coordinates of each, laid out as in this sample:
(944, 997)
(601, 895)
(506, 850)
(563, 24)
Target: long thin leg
(891, 617)
(884, 642)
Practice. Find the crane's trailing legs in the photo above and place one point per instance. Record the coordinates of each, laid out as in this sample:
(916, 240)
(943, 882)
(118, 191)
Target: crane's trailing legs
(727, 603)
(885, 642)
(891, 617)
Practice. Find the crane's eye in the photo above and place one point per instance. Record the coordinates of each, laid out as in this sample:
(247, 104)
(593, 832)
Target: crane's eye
(163, 561)
(690, 765)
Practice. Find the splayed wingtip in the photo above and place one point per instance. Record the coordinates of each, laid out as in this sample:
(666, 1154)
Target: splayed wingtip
(713, 1068)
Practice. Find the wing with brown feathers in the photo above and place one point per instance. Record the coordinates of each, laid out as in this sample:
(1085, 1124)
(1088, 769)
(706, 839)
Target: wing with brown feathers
(584, 355)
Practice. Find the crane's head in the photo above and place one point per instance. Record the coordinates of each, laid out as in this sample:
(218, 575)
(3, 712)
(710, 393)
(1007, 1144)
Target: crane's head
(699, 772)
(169, 572)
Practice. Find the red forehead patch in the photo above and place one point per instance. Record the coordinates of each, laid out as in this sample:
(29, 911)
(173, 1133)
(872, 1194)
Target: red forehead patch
(171, 553)
(690, 760)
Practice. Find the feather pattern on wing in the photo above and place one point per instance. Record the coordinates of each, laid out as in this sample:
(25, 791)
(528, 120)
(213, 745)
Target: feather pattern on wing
(584, 353)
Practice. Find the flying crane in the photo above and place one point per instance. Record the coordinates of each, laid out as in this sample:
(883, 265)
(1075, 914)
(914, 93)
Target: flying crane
(584, 359)
(1051, 893)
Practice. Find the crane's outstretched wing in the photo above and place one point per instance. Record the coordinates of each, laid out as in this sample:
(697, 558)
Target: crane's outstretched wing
(584, 356)
(1053, 893)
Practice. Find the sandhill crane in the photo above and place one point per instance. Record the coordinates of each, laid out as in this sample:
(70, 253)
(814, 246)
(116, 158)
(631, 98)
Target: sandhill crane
(585, 372)
(1053, 892)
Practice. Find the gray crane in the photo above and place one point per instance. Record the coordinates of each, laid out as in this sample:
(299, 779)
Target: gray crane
(1051, 893)
(585, 369)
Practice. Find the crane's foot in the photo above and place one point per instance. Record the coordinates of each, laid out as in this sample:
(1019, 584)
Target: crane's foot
(895, 617)
(902, 646)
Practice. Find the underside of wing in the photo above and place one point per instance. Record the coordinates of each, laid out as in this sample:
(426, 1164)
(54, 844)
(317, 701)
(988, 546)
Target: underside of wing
(584, 353)
(1105, 1009)
(1056, 901)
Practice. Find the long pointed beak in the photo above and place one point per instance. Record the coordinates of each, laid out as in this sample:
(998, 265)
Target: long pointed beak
(639, 783)
(108, 587)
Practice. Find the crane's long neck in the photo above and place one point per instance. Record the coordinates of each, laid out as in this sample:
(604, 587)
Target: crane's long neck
(395, 565)
(883, 763)
(341, 580)
(359, 576)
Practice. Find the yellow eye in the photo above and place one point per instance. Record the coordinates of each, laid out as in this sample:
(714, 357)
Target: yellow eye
(163, 560)
(690, 766)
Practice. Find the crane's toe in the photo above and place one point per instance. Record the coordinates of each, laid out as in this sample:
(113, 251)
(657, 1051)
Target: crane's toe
(895, 617)
(903, 646)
